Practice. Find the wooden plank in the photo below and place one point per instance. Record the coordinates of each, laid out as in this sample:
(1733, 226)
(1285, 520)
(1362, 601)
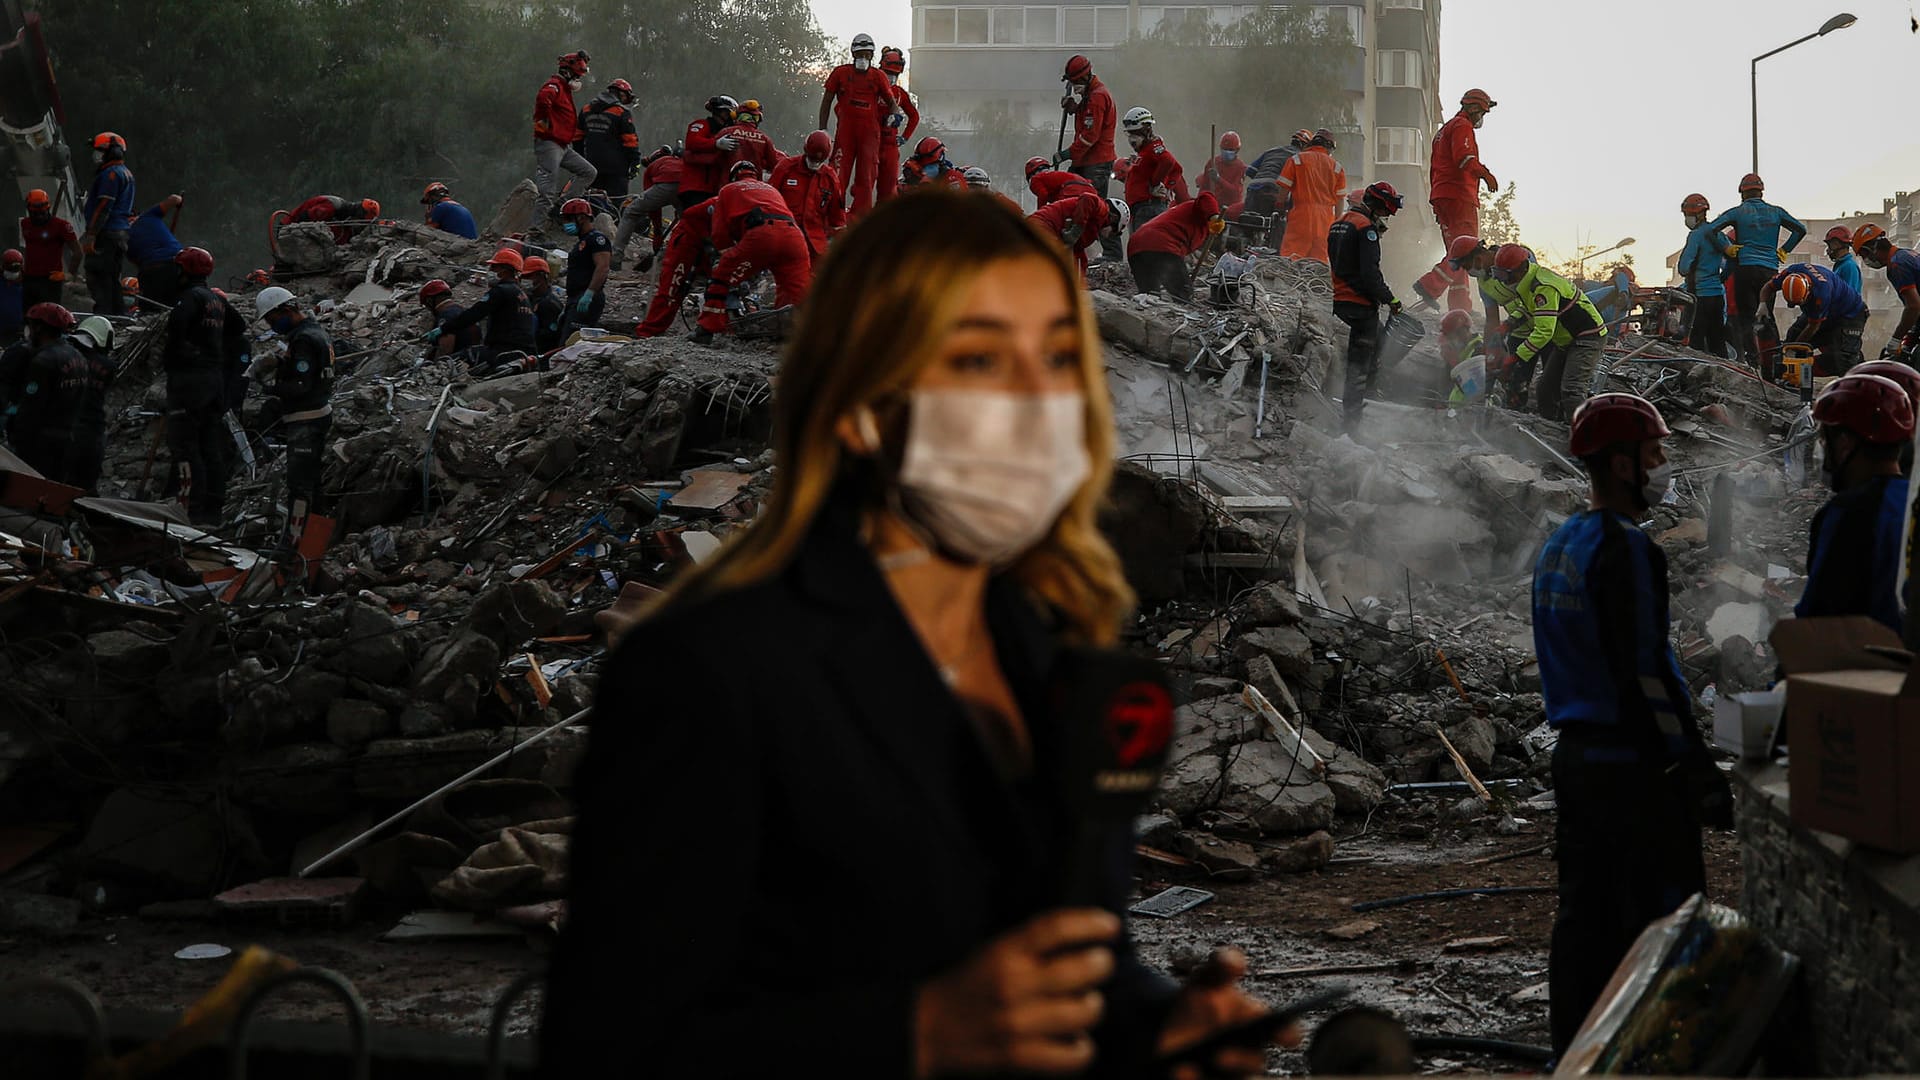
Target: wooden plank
(709, 489)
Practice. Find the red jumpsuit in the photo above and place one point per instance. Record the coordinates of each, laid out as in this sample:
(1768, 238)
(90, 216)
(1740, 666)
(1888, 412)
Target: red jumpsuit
(1226, 179)
(1089, 211)
(1319, 188)
(755, 146)
(324, 208)
(703, 165)
(754, 231)
(1053, 185)
(1093, 123)
(861, 100)
(667, 170)
(686, 256)
(1180, 231)
(816, 200)
(891, 139)
(1154, 166)
(1454, 191)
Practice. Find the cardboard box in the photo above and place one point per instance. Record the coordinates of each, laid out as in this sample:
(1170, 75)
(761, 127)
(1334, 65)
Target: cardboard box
(1743, 724)
(1853, 728)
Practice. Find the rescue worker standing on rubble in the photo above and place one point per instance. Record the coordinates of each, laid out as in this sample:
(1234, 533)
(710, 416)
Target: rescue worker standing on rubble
(587, 265)
(1757, 250)
(1360, 290)
(108, 213)
(1457, 176)
(1090, 113)
(943, 441)
(704, 151)
(1832, 319)
(42, 384)
(1226, 175)
(151, 246)
(196, 363)
(89, 383)
(1854, 545)
(860, 97)
(446, 214)
(896, 127)
(1316, 185)
(1903, 273)
(557, 166)
(549, 305)
(689, 253)
(813, 194)
(1632, 776)
(608, 140)
(300, 398)
(1701, 269)
(52, 250)
(507, 312)
(1154, 178)
(659, 189)
(1159, 250)
(1840, 254)
(1563, 328)
(754, 232)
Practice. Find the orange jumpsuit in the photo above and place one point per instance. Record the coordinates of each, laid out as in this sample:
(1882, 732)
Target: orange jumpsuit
(1319, 188)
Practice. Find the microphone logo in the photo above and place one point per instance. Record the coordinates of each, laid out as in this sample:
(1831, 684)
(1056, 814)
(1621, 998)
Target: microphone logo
(1139, 723)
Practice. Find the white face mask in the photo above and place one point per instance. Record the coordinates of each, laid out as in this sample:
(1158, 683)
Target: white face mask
(1659, 482)
(815, 166)
(987, 473)
(1478, 120)
(575, 84)
(861, 63)
(1136, 140)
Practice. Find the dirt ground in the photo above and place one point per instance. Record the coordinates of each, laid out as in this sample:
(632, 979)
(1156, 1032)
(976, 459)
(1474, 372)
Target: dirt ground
(1282, 923)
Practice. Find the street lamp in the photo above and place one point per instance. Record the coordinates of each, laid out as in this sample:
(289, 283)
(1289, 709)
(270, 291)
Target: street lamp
(1838, 22)
(1581, 270)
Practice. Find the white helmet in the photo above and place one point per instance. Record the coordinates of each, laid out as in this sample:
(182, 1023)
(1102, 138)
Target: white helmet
(1119, 215)
(271, 299)
(977, 177)
(1137, 118)
(862, 43)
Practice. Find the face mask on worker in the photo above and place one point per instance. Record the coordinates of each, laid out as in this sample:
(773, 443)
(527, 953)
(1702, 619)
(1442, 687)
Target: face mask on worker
(1874, 262)
(1136, 139)
(985, 474)
(1694, 220)
(12, 275)
(571, 228)
(574, 84)
(862, 63)
(280, 322)
(1229, 155)
(1658, 482)
(815, 166)
(1076, 93)
(931, 172)
(1478, 118)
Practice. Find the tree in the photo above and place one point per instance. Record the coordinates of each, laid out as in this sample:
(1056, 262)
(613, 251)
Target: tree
(1496, 219)
(997, 141)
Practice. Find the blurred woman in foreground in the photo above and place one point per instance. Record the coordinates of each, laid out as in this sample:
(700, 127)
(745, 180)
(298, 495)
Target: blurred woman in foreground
(823, 802)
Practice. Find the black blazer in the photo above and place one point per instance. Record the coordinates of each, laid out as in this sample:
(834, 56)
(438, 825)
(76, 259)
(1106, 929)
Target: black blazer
(787, 823)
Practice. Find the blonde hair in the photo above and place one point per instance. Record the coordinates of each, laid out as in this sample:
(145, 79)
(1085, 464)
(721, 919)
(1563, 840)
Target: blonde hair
(875, 316)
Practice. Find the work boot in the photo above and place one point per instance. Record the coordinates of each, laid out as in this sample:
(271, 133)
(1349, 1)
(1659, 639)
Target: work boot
(645, 264)
(702, 336)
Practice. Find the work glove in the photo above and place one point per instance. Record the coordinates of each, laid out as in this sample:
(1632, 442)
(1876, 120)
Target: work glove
(1487, 179)
(1216, 226)
(1162, 192)
(1393, 306)
(433, 335)
(634, 170)
(1062, 157)
(1071, 234)
(585, 302)
(726, 142)
(1733, 250)
(899, 140)
(1782, 252)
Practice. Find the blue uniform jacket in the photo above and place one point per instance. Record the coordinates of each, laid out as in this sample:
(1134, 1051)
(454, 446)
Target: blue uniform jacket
(1853, 553)
(1607, 668)
(113, 183)
(1830, 298)
(150, 241)
(1903, 271)
(1847, 269)
(1756, 228)
(1701, 264)
(449, 216)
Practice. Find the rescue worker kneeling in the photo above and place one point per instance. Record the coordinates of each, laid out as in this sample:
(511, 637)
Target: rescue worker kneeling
(1565, 328)
(508, 315)
(754, 232)
(1158, 253)
(1630, 771)
(1854, 544)
(301, 397)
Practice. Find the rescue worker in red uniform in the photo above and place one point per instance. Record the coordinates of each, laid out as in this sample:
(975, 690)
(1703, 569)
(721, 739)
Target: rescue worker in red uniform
(930, 165)
(557, 166)
(1082, 221)
(897, 126)
(689, 253)
(1447, 274)
(1051, 185)
(1318, 186)
(608, 140)
(1225, 174)
(754, 232)
(1359, 289)
(52, 251)
(860, 98)
(330, 208)
(659, 188)
(813, 193)
(1154, 178)
(1457, 173)
(703, 153)
(752, 144)
(1158, 252)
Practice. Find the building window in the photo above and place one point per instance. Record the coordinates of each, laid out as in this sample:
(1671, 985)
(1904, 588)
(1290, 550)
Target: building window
(936, 25)
(1399, 67)
(1096, 25)
(1353, 18)
(1043, 26)
(1407, 5)
(1009, 26)
(1399, 146)
(1113, 25)
(972, 26)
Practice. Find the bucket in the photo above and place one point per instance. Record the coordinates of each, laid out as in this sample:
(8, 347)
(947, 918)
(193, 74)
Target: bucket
(1403, 332)
(1470, 375)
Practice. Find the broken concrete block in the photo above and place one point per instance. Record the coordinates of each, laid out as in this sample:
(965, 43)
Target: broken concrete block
(1155, 830)
(1290, 650)
(1227, 860)
(1212, 725)
(1311, 852)
(1191, 783)
(1503, 478)
(1750, 621)
(1272, 604)
(374, 649)
(295, 898)
(1475, 738)
(1279, 795)
(1352, 931)
(37, 913)
(510, 612)
(1152, 521)
(125, 655)
(175, 844)
(410, 768)
(455, 671)
(421, 719)
(1356, 794)
(353, 723)
(299, 778)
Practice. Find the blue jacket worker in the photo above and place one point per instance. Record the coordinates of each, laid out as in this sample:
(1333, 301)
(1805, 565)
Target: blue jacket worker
(445, 214)
(1701, 269)
(1630, 770)
(1853, 547)
(151, 246)
(1756, 251)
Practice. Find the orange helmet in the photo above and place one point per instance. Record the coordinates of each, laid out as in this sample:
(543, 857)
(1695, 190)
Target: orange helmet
(1840, 233)
(11, 259)
(370, 208)
(1230, 141)
(1455, 321)
(114, 145)
(1695, 203)
(743, 170)
(38, 199)
(1796, 288)
(1078, 67)
(259, 276)
(435, 192)
(1751, 184)
(534, 264)
(576, 208)
(1510, 262)
(434, 290)
(1477, 99)
(130, 287)
(1461, 248)
(506, 256)
(195, 262)
(1908, 378)
(892, 60)
(51, 315)
(929, 148)
(575, 63)
(1863, 237)
(819, 146)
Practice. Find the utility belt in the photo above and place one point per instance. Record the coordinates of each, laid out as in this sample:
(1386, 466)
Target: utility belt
(756, 218)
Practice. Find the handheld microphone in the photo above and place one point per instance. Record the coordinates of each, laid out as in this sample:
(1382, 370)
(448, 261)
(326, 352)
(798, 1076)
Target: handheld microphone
(1116, 723)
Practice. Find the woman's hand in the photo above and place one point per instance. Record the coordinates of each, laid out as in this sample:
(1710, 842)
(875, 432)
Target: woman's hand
(1212, 1002)
(1025, 1003)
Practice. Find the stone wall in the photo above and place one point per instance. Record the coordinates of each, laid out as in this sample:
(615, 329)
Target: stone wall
(1852, 915)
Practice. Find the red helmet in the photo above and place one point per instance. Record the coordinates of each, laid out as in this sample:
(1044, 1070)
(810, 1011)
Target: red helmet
(892, 60)
(195, 262)
(507, 256)
(130, 286)
(929, 147)
(1840, 233)
(1301, 138)
(576, 208)
(38, 199)
(819, 146)
(1908, 378)
(623, 88)
(1873, 407)
(1462, 247)
(1605, 419)
(113, 144)
(1078, 67)
(1511, 261)
(534, 264)
(1863, 237)
(1230, 141)
(1324, 137)
(1454, 321)
(1695, 203)
(1752, 184)
(433, 290)
(1794, 289)
(370, 208)
(434, 193)
(12, 258)
(51, 316)
(1037, 165)
(575, 63)
(1383, 194)
(1476, 99)
(743, 169)
(259, 276)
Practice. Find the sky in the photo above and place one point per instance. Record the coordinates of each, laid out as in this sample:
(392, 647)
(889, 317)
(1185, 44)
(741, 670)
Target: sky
(1612, 112)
